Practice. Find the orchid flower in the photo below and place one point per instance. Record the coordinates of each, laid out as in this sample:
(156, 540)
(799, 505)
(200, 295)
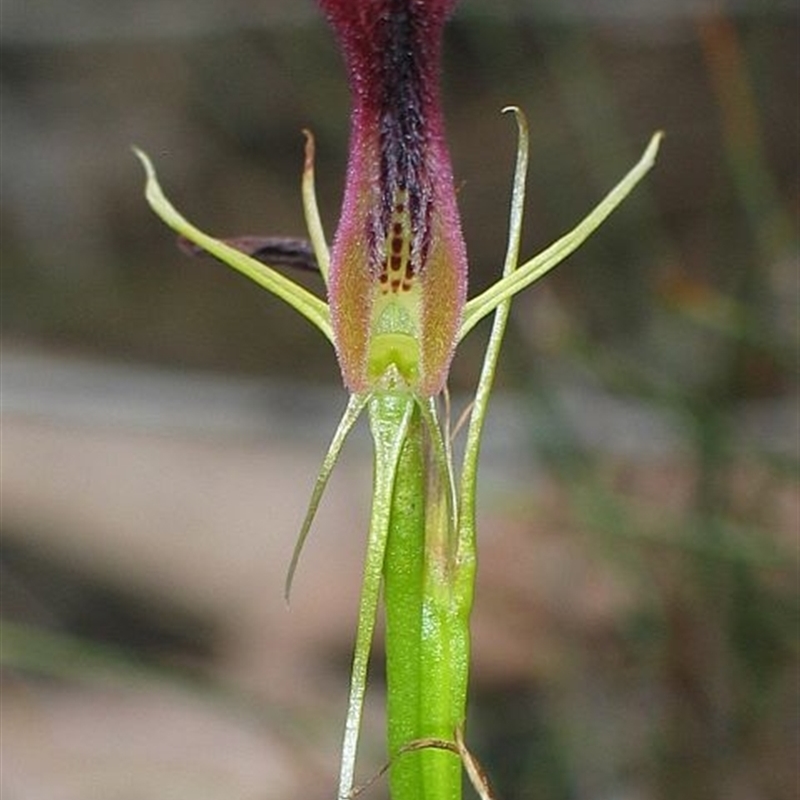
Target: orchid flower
(396, 285)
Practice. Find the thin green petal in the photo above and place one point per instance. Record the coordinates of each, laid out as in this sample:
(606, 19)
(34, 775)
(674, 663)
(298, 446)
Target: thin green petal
(311, 307)
(486, 302)
(313, 219)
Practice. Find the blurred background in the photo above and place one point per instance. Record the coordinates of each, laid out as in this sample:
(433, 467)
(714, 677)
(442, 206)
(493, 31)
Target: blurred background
(163, 420)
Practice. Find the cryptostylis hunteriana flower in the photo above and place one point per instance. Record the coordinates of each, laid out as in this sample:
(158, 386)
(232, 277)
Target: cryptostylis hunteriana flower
(396, 309)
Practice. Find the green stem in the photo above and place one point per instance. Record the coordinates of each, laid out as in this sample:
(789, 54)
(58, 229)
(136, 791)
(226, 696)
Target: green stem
(427, 642)
(444, 646)
(403, 584)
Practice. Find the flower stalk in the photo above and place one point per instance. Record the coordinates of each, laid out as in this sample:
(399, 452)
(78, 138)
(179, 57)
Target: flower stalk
(396, 281)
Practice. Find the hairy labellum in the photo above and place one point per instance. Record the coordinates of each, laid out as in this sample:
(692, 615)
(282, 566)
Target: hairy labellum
(398, 267)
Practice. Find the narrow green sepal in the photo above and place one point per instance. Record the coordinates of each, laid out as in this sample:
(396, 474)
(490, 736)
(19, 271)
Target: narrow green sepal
(469, 470)
(353, 411)
(529, 272)
(310, 306)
